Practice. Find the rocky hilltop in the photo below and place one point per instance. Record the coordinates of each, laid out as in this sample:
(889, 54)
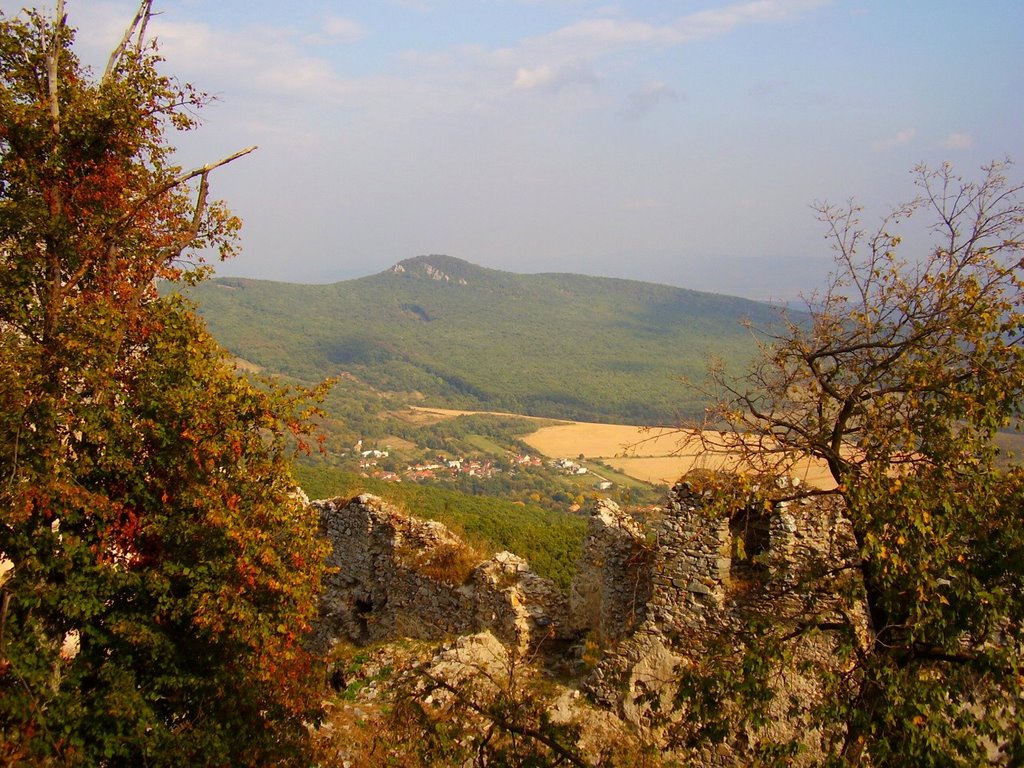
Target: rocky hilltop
(461, 335)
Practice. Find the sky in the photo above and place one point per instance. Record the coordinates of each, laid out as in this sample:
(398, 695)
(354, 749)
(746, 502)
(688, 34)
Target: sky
(676, 141)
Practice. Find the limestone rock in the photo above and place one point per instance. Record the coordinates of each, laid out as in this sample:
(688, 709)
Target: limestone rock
(613, 579)
(649, 599)
(393, 575)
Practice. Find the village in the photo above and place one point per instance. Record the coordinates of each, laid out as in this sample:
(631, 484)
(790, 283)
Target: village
(441, 467)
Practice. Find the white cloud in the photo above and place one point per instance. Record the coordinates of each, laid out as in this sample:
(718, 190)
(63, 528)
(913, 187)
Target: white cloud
(554, 78)
(552, 60)
(196, 43)
(613, 32)
(303, 76)
(899, 139)
(266, 60)
(718, 21)
(414, 5)
(957, 141)
(617, 31)
(537, 77)
(344, 29)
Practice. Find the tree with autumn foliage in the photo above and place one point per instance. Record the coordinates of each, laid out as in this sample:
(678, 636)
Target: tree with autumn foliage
(158, 569)
(899, 377)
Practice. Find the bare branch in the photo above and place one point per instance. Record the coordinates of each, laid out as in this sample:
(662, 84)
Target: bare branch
(52, 65)
(139, 23)
(162, 189)
(175, 250)
(141, 38)
(171, 252)
(177, 181)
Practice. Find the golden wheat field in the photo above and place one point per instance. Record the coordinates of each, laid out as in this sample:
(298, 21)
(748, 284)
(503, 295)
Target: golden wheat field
(659, 455)
(600, 441)
(654, 455)
(666, 470)
(425, 412)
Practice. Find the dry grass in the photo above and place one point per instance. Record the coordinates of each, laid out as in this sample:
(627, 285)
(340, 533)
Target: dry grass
(244, 365)
(432, 415)
(449, 563)
(602, 441)
(396, 443)
(660, 470)
(666, 470)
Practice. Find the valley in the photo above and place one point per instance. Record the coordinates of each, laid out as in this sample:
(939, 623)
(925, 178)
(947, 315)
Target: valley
(540, 391)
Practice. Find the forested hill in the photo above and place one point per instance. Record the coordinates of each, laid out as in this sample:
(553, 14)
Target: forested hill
(557, 345)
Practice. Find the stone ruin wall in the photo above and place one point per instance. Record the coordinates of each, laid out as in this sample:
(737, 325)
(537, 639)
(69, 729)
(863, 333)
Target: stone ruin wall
(677, 576)
(613, 584)
(702, 586)
(692, 566)
(708, 568)
(380, 585)
(649, 597)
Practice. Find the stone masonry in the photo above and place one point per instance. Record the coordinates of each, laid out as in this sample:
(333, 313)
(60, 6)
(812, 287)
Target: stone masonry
(709, 571)
(613, 579)
(387, 579)
(692, 566)
(652, 598)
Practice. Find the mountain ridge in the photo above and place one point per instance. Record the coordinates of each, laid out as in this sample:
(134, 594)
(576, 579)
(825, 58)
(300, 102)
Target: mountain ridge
(547, 344)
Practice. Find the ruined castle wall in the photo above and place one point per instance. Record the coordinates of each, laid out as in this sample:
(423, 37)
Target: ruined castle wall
(710, 567)
(371, 592)
(383, 582)
(515, 603)
(712, 571)
(613, 583)
(655, 599)
(692, 565)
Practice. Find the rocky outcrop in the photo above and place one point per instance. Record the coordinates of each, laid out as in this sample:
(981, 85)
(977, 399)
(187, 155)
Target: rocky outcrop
(392, 575)
(422, 266)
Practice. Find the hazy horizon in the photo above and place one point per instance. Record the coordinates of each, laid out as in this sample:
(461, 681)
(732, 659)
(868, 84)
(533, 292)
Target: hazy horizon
(682, 142)
(794, 300)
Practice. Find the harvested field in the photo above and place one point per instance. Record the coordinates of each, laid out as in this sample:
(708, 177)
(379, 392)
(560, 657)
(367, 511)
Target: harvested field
(666, 470)
(416, 414)
(244, 365)
(658, 455)
(602, 441)
(394, 442)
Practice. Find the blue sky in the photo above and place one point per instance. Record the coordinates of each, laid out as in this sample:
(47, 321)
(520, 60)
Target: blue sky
(679, 142)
